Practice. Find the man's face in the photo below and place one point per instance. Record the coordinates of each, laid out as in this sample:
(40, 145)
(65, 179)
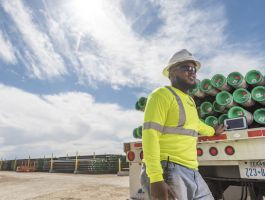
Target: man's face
(183, 74)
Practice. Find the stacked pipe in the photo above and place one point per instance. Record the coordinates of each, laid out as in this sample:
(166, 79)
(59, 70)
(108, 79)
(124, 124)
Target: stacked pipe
(137, 132)
(102, 166)
(140, 105)
(107, 165)
(43, 165)
(63, 166)
(91, 164)
(233, 96)
(6, 165)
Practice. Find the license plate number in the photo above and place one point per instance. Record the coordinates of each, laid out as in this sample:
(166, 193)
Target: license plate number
(252, 169)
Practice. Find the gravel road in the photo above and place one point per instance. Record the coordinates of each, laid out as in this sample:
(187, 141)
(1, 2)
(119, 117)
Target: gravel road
(55, 186)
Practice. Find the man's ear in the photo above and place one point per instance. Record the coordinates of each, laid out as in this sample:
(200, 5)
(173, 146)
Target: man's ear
(170, 76)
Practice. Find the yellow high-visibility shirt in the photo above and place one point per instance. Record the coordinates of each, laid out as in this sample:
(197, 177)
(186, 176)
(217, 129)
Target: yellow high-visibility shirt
(162, 114)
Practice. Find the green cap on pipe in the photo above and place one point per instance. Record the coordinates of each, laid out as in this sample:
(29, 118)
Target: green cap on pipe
(211, 121)
(206, 85)
(137, 132)
(254, 77)
(218, 80)
(217, 107)
(234, 79)
(258, 94)
(142, 102)
(224, 98)
(206, 107)
(236, 111)
(241, 95)
(137, 106)
(259, 116)
(222, 117)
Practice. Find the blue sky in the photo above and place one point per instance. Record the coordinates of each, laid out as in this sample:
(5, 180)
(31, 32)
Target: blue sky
(72, 70)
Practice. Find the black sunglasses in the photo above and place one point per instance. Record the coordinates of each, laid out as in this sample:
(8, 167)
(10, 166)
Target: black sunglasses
(187, 68)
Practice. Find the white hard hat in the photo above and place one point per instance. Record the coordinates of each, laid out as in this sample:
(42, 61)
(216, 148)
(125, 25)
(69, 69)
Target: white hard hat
(181, 56)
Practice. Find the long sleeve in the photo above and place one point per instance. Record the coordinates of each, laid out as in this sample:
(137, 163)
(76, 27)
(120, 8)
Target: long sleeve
(205, 130)
(155, 115)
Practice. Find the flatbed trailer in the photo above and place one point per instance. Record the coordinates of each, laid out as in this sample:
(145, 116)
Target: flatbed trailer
(233, 164)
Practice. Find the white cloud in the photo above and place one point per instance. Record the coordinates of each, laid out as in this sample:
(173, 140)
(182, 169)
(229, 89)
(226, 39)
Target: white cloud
(62, 123)
(121, 57)
(6, 150)
(2, 140)
(98, 42)
(44, 62)
(7, 52)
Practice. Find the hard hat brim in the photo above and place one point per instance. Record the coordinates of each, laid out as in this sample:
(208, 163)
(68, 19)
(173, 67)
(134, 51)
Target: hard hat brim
(165, 70)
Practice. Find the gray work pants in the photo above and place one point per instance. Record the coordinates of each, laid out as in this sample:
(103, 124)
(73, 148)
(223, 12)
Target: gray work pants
(187, 183)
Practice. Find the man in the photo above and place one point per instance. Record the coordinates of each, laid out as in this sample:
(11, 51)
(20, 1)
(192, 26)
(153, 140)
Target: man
(170, 130)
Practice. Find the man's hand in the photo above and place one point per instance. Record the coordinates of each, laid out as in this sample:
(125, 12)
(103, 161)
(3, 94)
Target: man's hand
(219, 129)
(161, 191)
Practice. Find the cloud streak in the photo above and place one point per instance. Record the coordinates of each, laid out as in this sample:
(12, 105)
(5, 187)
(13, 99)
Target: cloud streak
(43, 61)
(7, 52)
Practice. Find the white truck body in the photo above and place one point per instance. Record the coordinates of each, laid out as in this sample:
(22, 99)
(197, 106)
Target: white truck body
(234, 158)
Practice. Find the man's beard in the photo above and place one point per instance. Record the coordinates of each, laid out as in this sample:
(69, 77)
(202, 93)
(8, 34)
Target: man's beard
(181, 84)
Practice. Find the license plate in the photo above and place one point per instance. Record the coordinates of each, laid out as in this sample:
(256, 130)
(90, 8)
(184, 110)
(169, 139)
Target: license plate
(254, 169)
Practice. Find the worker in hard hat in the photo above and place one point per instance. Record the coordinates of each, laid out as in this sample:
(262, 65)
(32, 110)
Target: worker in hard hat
(170, 130)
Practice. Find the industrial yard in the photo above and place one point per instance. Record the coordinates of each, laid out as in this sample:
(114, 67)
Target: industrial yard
(61, 186)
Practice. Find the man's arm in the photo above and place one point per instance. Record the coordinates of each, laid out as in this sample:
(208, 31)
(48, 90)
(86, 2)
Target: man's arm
(206, 130)
(155, 115)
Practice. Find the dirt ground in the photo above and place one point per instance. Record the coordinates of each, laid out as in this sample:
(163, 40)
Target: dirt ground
(55, 186)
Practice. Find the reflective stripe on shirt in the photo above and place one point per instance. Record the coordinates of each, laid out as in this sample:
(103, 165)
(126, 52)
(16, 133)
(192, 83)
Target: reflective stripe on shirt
(182, 114)
(169, 129)
(173, 130)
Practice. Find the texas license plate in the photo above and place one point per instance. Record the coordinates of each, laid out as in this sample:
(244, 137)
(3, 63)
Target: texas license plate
(254, 169)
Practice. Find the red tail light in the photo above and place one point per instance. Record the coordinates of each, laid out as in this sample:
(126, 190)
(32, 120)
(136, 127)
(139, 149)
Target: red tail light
(131, 155)
(229, 150)
(199, 152)
(213, 151)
